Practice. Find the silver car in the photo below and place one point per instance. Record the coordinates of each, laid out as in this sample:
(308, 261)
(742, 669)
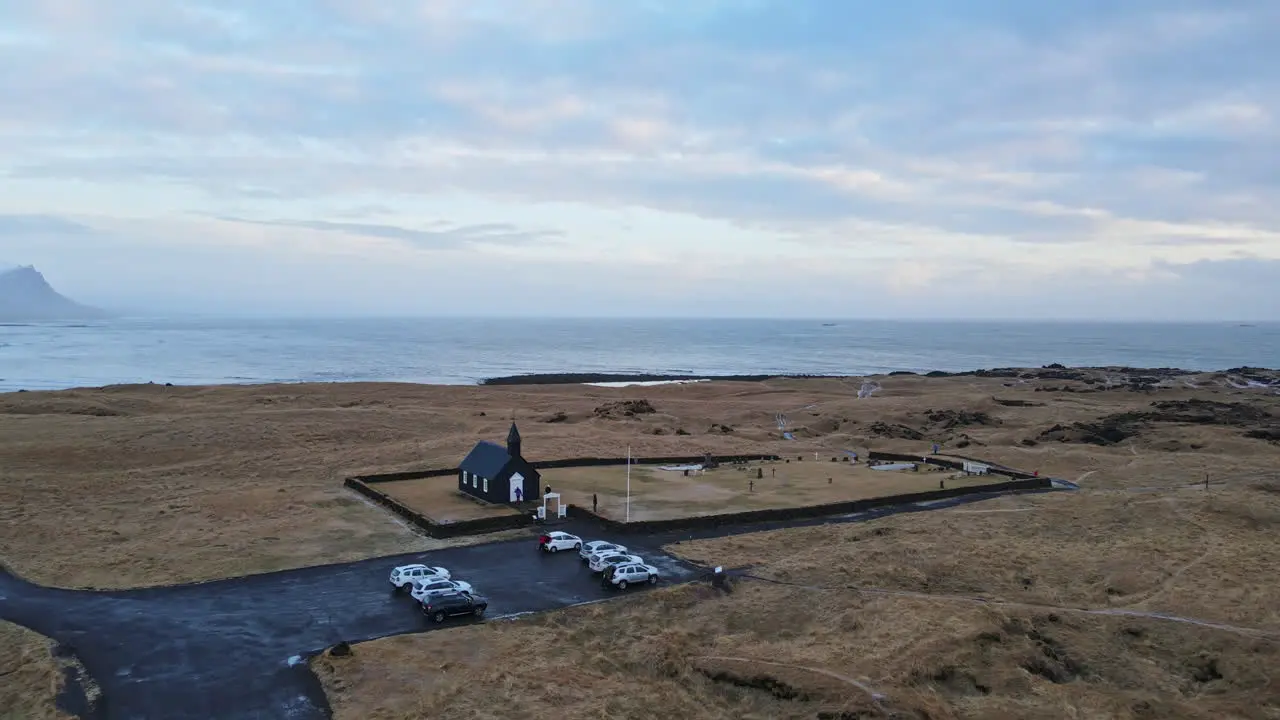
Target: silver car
(603, 561)
(599, 546)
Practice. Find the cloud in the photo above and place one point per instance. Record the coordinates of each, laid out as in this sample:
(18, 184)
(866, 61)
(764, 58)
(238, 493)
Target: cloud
(438, 239)
(1108, 138)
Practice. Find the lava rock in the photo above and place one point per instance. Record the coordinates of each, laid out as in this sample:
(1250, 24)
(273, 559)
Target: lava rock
(624, 408)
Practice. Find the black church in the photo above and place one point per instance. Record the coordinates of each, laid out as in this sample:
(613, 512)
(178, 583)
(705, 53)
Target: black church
(495, 474)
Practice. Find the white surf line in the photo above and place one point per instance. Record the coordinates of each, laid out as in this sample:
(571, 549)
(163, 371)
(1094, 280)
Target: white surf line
(1249, 632)
(645, 383)
(876, 696)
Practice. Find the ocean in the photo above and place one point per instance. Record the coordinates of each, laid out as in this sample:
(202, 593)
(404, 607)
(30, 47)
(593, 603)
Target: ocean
(463, 351)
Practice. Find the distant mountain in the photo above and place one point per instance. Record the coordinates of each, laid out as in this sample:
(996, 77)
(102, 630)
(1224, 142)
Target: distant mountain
(25, 296)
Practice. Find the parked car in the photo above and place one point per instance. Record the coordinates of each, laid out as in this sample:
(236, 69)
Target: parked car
(557, 541)
(620, 576)
(603, 561)
(407, 574)
(424, 589)
(441, 607)
(599, 546)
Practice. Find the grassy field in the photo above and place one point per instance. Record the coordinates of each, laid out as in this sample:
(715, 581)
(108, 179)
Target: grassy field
(440, 499)
(127, 486)
(893, 607)
(660, 494)
(30, 677)
(138, 485)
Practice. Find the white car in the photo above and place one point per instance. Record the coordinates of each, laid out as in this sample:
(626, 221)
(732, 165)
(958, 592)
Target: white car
(406, 574)
(599, 546)
(602, 561)
(556, 541)
(423, 589)
(630, 574)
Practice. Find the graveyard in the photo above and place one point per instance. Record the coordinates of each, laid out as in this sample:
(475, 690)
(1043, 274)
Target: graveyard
(795, 481)
(675, 491)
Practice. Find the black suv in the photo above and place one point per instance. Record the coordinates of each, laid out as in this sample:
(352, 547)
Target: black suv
(439, 607)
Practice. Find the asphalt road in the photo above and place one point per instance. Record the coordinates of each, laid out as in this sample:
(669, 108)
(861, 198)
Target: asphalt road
(223, 649)
(235, 648)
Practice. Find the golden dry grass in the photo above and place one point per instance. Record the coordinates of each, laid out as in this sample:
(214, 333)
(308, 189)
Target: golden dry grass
(139, 485)
(30, 677)
(440, 500)
(1027, 654)
(136, 485)
(658, 494)
(890, 605)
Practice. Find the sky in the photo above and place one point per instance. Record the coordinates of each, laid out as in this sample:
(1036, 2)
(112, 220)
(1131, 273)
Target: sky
(827, 158)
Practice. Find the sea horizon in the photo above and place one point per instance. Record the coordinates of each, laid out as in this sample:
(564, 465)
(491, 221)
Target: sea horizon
(285, 317)
(458, 350)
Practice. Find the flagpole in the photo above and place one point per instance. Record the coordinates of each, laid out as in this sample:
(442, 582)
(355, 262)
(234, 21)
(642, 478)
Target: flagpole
(628, 483)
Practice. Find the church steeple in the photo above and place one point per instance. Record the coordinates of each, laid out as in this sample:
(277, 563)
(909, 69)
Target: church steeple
(513, 441)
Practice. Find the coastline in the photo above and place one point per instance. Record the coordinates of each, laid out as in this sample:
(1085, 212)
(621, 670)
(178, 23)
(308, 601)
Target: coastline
(210, 352)
(594, 378)
(1047, 372)
(1104, 377)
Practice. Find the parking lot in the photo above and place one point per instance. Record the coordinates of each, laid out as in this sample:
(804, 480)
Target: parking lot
(518, 578)
(174, 651)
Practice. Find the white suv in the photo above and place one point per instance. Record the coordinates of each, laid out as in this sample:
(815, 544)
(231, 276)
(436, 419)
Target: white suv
(604, 561)
(630, 574)
(599, 546)
(556, 541)
(424, 589)
(407, 574)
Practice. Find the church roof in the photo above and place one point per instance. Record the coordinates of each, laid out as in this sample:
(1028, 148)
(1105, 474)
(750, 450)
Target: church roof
(486, 459)
(513, 435)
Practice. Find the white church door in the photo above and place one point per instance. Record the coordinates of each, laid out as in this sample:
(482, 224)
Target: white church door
(517, 485)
